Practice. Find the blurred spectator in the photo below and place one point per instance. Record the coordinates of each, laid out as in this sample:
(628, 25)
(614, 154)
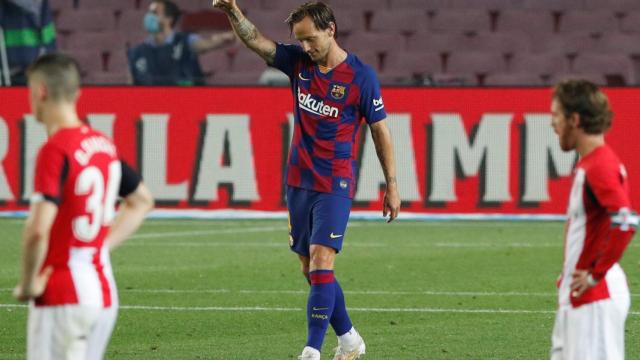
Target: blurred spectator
(273, 77)
(169, 57)
(27, 26)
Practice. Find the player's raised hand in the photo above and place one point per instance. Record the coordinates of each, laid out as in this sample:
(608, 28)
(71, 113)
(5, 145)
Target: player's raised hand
(224, 5)
(25, 292)
(391, 203)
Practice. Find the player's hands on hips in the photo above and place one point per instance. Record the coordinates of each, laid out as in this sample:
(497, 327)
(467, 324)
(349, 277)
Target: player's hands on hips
(391, 203)
(581, 281)
(24, 292)
(224, 5)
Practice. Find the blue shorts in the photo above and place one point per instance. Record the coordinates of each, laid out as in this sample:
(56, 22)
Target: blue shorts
(316, 218)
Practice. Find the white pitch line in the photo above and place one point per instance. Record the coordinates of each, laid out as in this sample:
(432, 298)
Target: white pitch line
(291, 309)
(155, 235)
(348, 292)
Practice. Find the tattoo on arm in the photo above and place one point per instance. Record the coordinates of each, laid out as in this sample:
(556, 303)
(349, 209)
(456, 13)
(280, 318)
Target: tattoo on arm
(249, 34)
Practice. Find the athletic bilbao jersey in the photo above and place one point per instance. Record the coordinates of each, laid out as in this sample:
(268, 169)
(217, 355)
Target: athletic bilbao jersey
(600, 225)
(78, 169)
(328, 109)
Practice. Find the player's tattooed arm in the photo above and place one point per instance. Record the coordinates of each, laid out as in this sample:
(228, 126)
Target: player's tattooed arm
(246, 31)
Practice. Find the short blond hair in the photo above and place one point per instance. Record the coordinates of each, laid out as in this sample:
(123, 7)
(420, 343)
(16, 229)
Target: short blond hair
(60, 74)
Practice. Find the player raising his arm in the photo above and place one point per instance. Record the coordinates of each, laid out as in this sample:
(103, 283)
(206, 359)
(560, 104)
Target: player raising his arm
(333, 90)
(593, 295)
(66, 271)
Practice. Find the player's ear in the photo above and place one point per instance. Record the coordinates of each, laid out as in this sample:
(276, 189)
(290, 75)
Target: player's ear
(42, 93)
(574, 120)
(332, 29)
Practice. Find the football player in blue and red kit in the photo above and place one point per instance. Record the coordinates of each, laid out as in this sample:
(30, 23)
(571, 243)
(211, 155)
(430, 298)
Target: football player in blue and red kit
(333, 91)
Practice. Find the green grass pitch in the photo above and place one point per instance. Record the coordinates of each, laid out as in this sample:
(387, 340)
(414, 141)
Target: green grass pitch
(196, 289)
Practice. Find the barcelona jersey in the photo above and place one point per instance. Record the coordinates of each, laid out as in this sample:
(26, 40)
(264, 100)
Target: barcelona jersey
(328, 111)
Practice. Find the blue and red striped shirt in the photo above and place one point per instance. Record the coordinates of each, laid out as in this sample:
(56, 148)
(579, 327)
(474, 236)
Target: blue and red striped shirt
(328, 110)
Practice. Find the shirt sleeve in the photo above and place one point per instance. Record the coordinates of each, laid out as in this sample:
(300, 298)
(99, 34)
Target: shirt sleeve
(129, 181)
(608, 185)
(371, 104)
(51, 172)
(286, 58)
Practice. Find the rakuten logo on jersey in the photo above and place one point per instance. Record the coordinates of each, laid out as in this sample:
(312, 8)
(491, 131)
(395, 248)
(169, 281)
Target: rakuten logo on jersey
(309, 104)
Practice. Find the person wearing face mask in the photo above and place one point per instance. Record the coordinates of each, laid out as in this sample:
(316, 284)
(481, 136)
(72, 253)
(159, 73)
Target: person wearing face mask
(26, 32)
(167, 56)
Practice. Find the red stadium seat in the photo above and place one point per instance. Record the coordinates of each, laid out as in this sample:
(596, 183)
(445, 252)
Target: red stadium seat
(382, 43)
(613, 5)
(115, 5)
(451, 79)
(519, 79)
(350, 21)
(495, 5)
(271, 24)
(631, 22)
(89, 60)
(419, 4)
(403, 21)
(598, 79)
(460, 20)
(86, 20)
(437, 42)
(284, 5)
(500, 43)
(554, 5)
(606, 64)
(100, 41)
(620, 43)
(414, 63)
(58, 6)
(247, 60)
(235, 78)
(118, 61)
(131, 21)
(475, 63)
(571, 43)
(107, 78)
(205, 20)
(544, 64)
(588, 21)
(525, 21)
(215, 61)
(366, 5)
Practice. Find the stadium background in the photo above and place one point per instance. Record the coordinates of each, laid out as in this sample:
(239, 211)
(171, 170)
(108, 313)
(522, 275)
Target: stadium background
(220, 289)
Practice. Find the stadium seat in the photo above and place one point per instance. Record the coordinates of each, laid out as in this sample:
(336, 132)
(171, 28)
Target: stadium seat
(598, 79)
(107, 78)
(215, 61)
(494, 5)
(235, 78)
(205, 20)
(100, 41)
(451, 79)
(460, 20)
(606, 64)
(519, 79)
(405, 21)
(620, 43)
(545, 64)
(117, 61)
(366, 5)
(129, 23)
(57, 6)
(500, 43)
(414, 63)
(350, 21)
(271, 24)
(90, 61)
(379, 42)
(553, 5)
(525, 21)
(370, 58)
(434, 42)
(87, 20)
(114, 5)
(475, 63)
(631, 22)
(419, 4)
(283, 5)
(247, 60)
(588, 21)
(613, 5)
(570, 44)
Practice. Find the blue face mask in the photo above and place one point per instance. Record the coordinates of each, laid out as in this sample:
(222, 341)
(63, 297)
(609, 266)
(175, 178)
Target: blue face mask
(151, 23)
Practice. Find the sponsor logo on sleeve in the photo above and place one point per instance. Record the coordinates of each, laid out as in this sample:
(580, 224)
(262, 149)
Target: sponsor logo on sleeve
(378, 104)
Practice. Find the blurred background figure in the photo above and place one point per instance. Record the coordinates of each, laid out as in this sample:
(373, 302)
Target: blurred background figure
(167, 56)
(28, 31)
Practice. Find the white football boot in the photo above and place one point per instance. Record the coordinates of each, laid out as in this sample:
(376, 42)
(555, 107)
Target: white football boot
(309, 353)
(350, 353)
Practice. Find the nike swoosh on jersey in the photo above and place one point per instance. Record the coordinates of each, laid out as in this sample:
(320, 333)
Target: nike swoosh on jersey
(319, 308)
(334, 236)
(302, 78)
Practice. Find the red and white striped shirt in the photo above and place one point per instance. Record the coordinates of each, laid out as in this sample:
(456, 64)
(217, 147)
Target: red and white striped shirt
(78, 169)
(600, 226)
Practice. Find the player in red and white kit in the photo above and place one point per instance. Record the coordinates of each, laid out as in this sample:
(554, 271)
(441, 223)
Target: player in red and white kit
(66, 272)
(593, 294)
